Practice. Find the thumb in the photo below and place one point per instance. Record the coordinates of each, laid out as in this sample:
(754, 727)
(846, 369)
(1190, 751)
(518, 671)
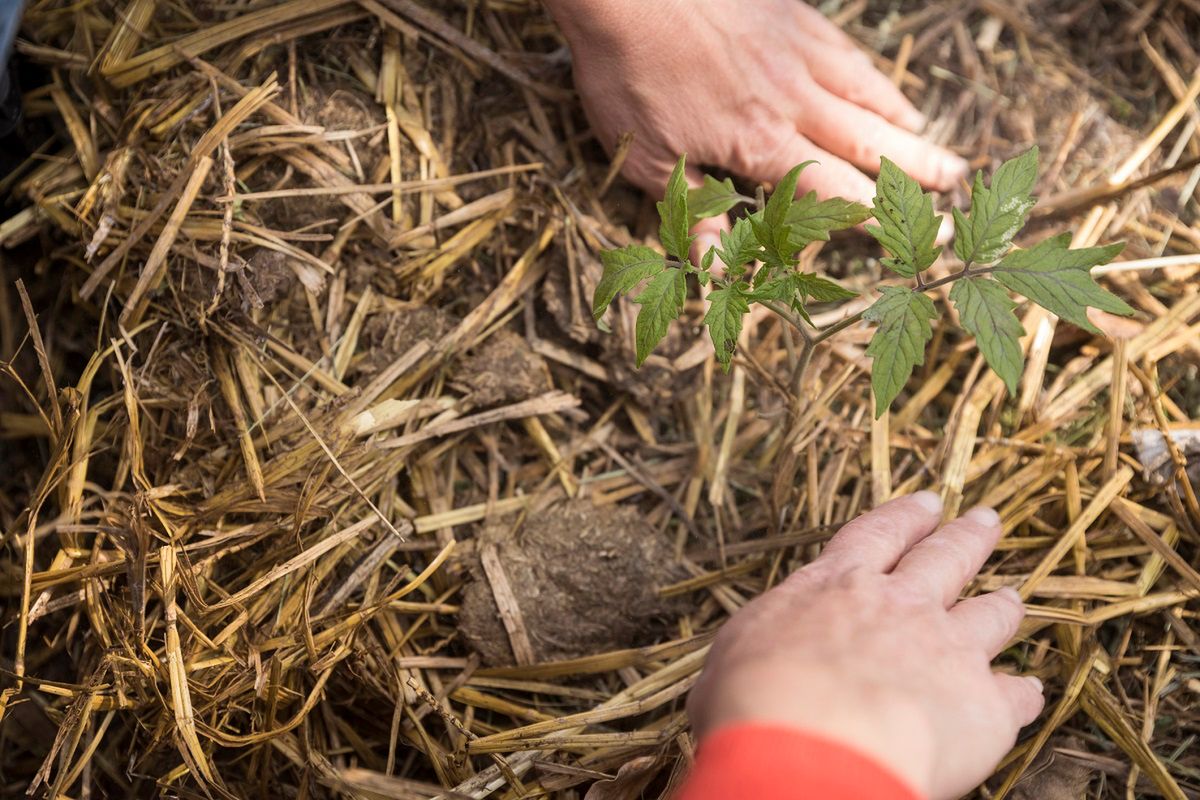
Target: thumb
(708, 231)
(708, 235)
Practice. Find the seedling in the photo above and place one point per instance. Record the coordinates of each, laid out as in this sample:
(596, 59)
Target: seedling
(762, 250)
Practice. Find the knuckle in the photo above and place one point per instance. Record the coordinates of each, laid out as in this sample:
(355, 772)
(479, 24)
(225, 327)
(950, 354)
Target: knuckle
(857, 581)
(765, 142)
(952, 551)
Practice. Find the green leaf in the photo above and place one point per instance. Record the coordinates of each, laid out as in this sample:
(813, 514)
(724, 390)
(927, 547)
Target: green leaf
(781, 290)
(986, 311)
(784, 289)
(623, 270)
(899, 344)
(907, 225)
(821, 289)
(739, 246)
(812, 220)
(673, 210)
(771, 228)
(712, 198)
(997, 213)
(796, 288)
(726, 309)
(662, 303)
(1059, 279)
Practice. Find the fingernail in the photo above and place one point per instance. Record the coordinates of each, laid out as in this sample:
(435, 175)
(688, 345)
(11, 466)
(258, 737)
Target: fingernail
(930, 501)
(983, 515)
(1011, 594)
(956, 167)
(1036, 681)
(945, 229)
(914, 120)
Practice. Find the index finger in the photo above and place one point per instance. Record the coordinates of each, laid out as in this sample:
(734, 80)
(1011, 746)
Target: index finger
(877, 540)
(942, 564)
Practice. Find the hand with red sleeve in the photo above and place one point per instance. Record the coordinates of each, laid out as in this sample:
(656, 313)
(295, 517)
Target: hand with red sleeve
(753, 87)
(867, 655)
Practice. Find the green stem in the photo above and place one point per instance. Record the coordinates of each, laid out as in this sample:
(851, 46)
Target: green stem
(839, 327)
(966, 272)
(848, 321)
(810, 341)
(806, 355)
(791, 317)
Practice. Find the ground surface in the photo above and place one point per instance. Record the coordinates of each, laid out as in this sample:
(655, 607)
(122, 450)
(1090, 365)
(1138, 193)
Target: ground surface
(352, 493)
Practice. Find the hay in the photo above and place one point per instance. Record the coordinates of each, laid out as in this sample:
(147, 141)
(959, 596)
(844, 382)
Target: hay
(251, 440)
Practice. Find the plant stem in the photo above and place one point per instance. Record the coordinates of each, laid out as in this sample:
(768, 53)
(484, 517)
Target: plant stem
(810, 341)
(806, 355)
(839, 326)
(966, 272)
(791, 318)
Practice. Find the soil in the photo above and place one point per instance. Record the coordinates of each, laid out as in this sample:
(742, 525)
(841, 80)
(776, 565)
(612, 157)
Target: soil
(585, 580)
(269, 277)
(342, 109)
(388, 335)
(657, 381)
(1054, 776)
(503, 370)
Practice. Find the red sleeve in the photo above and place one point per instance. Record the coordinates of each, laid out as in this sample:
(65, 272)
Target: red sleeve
(778, 763)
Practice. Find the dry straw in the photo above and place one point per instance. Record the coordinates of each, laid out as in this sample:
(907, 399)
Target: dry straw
(278, 259)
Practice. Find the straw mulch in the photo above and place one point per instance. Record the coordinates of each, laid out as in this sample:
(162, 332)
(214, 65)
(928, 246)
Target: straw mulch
(319, 481)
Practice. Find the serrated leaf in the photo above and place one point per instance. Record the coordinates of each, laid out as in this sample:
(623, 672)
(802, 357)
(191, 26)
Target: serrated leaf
(726, 309)
(739, 246)
(713, 197)
(907, 226)
(821, 289)
(998, 212)
(673, 211)
(781, 289)
(899, 344)
(796, 288)
(623, 270)
(812, 220)
(706, 260)
(662, 303)
(986, 311)
(1059, 279)
(771, 228)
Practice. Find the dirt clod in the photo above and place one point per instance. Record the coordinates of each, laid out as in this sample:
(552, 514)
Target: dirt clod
(389, 335)
(585, 580)
(503, 370)
(269, 276)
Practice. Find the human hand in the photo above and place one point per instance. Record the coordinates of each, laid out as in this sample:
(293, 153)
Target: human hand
(753, 88)
(868, 646)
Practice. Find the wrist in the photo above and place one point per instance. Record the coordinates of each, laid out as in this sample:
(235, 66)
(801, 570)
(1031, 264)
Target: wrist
(753, 760)
(874, 720)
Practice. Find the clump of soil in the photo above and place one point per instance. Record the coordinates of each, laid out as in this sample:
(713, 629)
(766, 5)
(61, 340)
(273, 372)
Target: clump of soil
(657, 381)
(585, 580)
(503, 370)
(389, 335)
(1055, 776)
(269, 279)
(341, 110)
